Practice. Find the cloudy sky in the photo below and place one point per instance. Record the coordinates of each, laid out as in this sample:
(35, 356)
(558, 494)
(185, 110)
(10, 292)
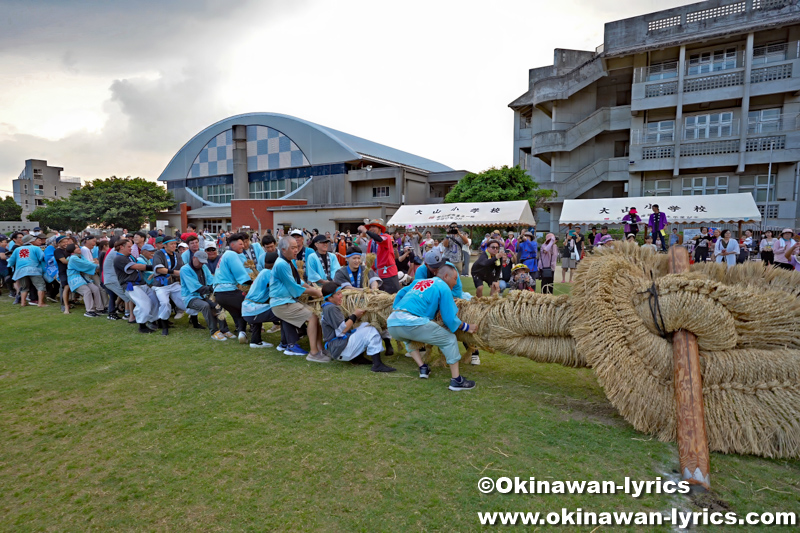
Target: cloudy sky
(103, 87)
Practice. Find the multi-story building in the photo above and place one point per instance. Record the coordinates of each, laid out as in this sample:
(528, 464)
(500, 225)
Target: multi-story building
(699, 99)
(268, 170)
(39, 182)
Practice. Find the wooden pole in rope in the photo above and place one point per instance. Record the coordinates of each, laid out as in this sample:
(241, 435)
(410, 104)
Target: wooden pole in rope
(692, 440)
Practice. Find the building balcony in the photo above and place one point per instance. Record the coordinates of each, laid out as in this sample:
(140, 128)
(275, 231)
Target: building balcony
(69, 179)
(604, 119)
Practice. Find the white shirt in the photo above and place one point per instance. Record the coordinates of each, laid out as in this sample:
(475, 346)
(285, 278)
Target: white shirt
(87, 254)
(733, 246)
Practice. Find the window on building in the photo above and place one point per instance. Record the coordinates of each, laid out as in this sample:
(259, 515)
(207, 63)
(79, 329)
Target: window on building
(525, 121)
(709, 126)
(37, 173)
(662, 71)
(662, 131)
(524, 163)
(658, 187)
(220, 194)
(701, 186)
(38, 189)
(25, 188)
(214, 225)
(55, 191)
(380, 192)
(267, 190)
(764, 121)
(769, 53)
(712, 61)
(758, 187)
(38, 202)
(197, 190)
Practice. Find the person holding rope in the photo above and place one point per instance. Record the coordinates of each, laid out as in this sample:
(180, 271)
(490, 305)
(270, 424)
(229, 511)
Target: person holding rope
(129, 274)
(412, 320)
(230, 273)
(285, 287)
(343, 340)
(196, 288)
(167, 264)
(383, 248)
(322, 265)
(352, 275)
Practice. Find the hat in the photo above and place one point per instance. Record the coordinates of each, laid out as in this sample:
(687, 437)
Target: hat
(37, 228)
(296, 233)
(606, 238)
(148, 248)
(319, 239)
(786, 230)
(183, 245)
(633, 210)
(434, 260)
(377, 222)
(269, 257)
(353, 250)
(209, 245)
(159, 240)
(153, 233)
(201, 256)
(27, 239)
(60, 238)
(519, 266)
(630, 235)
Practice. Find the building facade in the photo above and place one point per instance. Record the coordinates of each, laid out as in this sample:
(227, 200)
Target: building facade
(699, 99)
(269, 170)
(39, 182)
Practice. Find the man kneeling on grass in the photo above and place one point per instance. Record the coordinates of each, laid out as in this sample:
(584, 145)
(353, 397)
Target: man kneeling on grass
(196, 287)
(343, 340)
(412, 321)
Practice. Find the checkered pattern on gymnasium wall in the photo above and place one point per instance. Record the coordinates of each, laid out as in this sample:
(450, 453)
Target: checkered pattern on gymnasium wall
(267, 149)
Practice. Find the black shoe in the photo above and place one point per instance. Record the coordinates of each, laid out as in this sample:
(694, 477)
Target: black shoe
(164, 327)
(143, 328)
(464, 384)
(152, 325)
(389, 349)
(360, 360)
(195, 324)
(424, 371)
(113, 316)
(378, 366)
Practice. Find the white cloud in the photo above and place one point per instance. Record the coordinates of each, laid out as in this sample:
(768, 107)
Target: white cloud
(103, 88)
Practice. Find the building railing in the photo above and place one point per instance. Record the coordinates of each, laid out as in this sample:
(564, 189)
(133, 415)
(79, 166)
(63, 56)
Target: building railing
(661, 89)
(765, 144)
(69, 179)
(716, 130)
(714, 81)
(722, 11)
(776, 72)
(710, 148)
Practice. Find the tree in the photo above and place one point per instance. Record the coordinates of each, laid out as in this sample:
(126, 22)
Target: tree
(500, 185)
(121, 202)
(59, 215)
(10, 210)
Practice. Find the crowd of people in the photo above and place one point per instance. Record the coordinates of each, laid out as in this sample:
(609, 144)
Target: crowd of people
(149, 279)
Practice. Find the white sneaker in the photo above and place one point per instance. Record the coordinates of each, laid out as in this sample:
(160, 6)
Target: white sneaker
(476, 360)
(242, 337)
(262, 345)
(179, 315)
(318, 358)
(218, 336)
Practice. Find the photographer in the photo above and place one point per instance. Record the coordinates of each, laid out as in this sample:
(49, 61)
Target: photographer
(488, 267)
(406, 259)
(452, 246)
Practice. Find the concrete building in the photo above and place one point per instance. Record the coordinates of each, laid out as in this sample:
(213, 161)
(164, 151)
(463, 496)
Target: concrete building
(268, 170)
(693, 100)
(39, 182)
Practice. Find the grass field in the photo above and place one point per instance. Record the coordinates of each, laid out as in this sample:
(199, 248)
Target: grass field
(102, 428)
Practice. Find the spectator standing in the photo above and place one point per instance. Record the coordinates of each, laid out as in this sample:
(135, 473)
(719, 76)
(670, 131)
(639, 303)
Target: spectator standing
(657, 222)
(785, 241)
(702, 245)
(726, 249)
(548, 259)
(631, 221)
(766, 247)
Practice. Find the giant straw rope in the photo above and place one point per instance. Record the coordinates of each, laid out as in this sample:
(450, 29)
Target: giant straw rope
(746, 319)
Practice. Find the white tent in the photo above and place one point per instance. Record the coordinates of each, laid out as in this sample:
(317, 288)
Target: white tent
(706, 209)
(516, 213)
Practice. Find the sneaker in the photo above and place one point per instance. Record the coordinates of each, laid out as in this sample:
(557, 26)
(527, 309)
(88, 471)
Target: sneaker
(464, 384)
(476, 358)
(126, 314)
(424, 372)
(229, 335)
(113, 316)
(294, 349)
(281, 347)
(262, 344)
(178, 315)
(318, 358)
(90, 314)
(242, 337)
(218, 336)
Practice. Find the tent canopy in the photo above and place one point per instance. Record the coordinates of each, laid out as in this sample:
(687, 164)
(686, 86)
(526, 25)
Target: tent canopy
(517, 213)
(722, 208)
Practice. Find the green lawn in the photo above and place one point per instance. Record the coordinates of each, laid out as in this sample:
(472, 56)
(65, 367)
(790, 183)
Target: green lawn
(102, 428)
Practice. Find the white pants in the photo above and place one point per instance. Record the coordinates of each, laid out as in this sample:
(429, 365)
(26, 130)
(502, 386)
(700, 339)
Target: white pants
(173, 290)
(144, 298)
(365, 337)
(91, 297)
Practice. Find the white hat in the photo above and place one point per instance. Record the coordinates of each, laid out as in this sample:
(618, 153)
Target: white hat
(183, 245)
(296, 233)
(210, 244)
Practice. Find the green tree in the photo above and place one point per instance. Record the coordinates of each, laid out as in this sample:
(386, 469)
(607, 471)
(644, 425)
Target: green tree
(10, 210)
(121, 202)
(59, 215)
(500, 185)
